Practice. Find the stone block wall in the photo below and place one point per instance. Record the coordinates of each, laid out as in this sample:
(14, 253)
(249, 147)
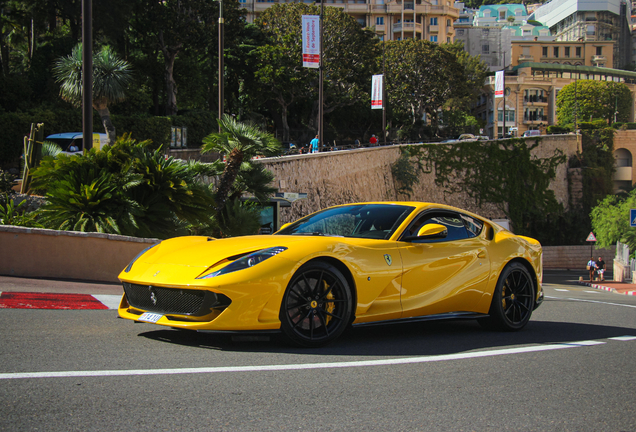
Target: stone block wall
(575, 257)
(365, 175)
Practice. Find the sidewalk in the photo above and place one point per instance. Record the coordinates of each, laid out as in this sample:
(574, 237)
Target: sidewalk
(28, 293)
(615, 287)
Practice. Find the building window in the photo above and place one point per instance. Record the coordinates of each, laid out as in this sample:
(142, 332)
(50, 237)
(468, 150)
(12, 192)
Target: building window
(578, 52)
(591, 30)
(448, 23)
(433, 38)
(599, 51)
(567, 51)
(379, 21)
(434, 21)
(448, 40)
(485, 49)
(556, 52)
(502, 15)
(545, 51)
(460, 32)
(510, 115)
(485, 32)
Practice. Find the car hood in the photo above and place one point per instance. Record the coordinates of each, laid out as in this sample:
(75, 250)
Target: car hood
(189, 257)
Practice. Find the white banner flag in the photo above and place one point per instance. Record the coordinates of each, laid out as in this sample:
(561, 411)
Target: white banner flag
(499, 84)
(376, 92)
(311, 41)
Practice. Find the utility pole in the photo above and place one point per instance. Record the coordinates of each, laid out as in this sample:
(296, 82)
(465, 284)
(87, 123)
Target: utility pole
(221, 63)
(87, 74)
(320, 73)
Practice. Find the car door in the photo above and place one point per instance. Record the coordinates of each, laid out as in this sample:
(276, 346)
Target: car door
(444, 275)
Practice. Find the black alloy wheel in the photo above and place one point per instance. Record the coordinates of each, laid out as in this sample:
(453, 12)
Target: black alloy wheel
(317, 305)
(513, 299)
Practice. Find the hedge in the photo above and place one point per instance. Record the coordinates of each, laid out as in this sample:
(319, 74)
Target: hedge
(16, 125)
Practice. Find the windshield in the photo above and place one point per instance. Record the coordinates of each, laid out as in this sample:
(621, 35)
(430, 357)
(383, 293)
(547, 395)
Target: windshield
(376, 221)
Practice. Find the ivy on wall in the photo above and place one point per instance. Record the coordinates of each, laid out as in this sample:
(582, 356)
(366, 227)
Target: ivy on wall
(503, 173)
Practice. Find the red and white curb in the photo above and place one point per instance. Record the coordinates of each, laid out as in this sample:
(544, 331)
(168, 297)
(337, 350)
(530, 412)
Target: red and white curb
(604, 288)
(25, 300)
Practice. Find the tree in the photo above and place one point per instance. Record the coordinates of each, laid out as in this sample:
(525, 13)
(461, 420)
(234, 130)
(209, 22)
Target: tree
(610, 221)
(587, 99)
(423, 77)
(240, 142)
(111, 75)
(350, 52)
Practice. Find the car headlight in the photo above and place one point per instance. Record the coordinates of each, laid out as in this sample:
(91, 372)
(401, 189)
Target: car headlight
(129, 266)
(246, 262)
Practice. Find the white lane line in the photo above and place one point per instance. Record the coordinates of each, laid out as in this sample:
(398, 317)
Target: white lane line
(590, 301)
(593, 292)
(291, 367)
(558, 289)
(111, 301)
(623, 338)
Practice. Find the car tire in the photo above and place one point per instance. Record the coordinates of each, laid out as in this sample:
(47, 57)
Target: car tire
(317, 305)
(513, 300)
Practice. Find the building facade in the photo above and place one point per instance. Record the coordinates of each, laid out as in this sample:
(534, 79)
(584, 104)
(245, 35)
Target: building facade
(492, 44)
(591, 20)
(531, 91)
(392, 19)
(584, 53)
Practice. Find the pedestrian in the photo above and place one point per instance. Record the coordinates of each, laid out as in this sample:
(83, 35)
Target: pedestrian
(314, 145)
(373, 141)
(357, 143)
(592, 267)
(601, 268)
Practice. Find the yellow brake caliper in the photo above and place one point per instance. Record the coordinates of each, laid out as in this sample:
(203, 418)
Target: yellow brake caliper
(329, 306)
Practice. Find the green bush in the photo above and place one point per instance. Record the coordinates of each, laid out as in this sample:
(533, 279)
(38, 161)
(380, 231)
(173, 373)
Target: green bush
(199, 123)
(556, 129)
(144, 127)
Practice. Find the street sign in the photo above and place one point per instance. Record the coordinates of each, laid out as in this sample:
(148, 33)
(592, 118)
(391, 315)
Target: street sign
(591, 237)
(632, 217)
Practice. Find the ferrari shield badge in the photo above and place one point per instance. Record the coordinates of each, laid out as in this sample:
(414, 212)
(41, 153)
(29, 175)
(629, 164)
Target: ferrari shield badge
(388, 259)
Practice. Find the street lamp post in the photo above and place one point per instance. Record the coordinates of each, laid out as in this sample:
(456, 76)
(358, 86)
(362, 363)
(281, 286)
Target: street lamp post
(221, 63)
(320, 73)
(87, 74)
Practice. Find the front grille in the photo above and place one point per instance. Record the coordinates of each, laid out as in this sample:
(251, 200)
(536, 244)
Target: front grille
(173, 300)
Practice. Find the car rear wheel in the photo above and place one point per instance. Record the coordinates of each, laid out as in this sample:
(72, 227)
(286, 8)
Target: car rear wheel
(317, 305)
(513, 300)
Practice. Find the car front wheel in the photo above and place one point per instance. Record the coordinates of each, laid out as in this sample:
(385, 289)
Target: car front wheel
(317, 305)
(513, 300)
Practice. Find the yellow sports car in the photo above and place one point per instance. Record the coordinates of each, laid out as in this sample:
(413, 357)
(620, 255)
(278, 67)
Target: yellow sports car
(354, 264)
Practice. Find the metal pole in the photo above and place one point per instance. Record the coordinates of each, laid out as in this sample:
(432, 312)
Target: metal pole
(503, 129)
(87, 74)
(221, 63)
(320, 85)
(384, 89)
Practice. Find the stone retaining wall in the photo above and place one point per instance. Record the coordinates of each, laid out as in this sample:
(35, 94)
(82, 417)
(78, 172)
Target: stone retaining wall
(45, 253)
(575, 257)
(365, 175)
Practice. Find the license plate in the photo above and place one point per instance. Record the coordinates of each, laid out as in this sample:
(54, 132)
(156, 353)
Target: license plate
(149, 317)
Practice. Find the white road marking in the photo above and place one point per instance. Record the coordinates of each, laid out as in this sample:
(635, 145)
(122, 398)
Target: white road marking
(590, 301)
(292, 367)
(623, 338)
(558, 289)
(111, 301)
(593, 292)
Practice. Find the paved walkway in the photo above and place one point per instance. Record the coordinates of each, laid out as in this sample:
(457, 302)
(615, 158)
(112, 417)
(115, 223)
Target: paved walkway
(615, 287)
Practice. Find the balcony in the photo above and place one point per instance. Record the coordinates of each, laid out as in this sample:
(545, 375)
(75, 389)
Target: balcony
(534, 118)
(408, 27)
(598, 58)
(433, 28)
(535, 99)
(525, 58)
(623, 174)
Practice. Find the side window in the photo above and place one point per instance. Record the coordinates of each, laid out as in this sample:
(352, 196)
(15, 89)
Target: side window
(473, 226)
(452, 221)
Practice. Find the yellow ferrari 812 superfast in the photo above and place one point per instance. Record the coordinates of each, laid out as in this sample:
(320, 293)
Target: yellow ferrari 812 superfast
(355, 264)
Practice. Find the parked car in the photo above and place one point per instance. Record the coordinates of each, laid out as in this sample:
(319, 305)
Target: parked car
(354, 264)
(73, 142)
(531, 133)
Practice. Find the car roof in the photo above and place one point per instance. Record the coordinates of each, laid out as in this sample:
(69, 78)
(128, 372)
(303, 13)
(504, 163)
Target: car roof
(69, 135)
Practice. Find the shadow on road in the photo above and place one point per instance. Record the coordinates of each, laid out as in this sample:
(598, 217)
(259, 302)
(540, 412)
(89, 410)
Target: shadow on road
(412, 339)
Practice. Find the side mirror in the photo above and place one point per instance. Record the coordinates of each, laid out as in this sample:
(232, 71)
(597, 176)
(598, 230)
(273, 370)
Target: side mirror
(429, 232)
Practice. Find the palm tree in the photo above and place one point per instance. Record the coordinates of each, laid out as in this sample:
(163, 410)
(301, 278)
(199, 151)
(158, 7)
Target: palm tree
(111, 75)
(239, 142)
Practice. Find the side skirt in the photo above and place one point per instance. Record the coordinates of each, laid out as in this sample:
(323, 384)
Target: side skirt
(451, 315)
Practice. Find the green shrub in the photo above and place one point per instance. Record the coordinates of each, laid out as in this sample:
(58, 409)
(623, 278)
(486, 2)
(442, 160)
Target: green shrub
(144, 127)
(199, 123)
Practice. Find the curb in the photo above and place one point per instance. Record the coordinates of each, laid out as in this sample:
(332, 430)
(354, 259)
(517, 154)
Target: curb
(604, 288)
